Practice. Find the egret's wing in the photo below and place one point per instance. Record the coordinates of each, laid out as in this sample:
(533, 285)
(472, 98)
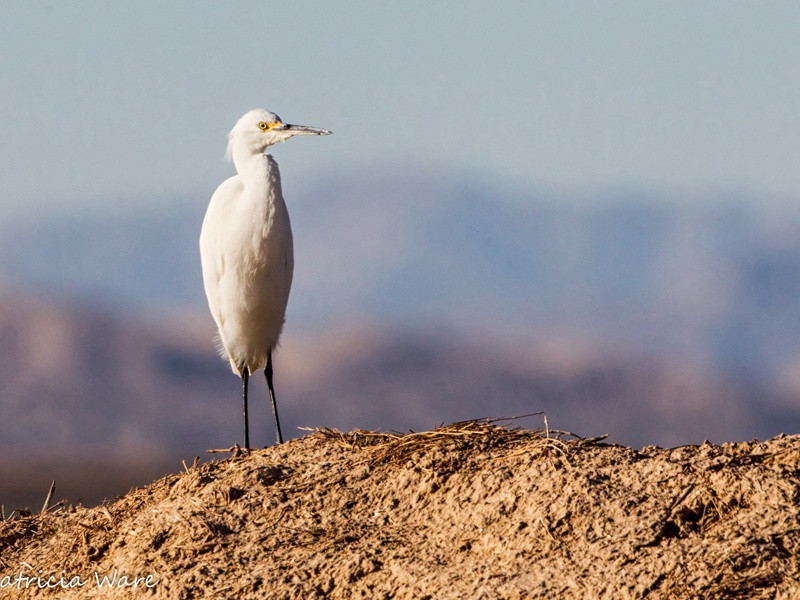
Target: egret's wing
(212, 255)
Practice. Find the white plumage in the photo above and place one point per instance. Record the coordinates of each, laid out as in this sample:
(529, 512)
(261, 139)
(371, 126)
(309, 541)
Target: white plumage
(246, 249)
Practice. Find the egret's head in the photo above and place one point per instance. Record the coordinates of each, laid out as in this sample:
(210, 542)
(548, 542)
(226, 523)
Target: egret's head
(259, 128)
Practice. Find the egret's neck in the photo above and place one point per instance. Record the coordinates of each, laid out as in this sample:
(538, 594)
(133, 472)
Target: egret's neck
(257, 170)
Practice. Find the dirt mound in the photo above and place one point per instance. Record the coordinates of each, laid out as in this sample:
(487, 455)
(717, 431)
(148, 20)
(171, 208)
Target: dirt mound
(473, 510)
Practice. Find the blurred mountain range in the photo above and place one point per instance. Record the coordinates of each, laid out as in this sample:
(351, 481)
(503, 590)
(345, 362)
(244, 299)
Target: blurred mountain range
(655, 320)
(715, 280)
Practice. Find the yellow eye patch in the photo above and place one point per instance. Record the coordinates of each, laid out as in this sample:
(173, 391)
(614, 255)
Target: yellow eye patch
(264, 126)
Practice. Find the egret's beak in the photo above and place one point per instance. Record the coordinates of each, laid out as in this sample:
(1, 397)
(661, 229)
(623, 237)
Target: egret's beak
(290, 130)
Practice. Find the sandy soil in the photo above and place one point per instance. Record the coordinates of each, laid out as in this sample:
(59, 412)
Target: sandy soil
(472, 510)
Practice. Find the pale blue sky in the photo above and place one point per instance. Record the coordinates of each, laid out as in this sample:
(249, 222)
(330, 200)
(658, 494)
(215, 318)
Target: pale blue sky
(130, 102)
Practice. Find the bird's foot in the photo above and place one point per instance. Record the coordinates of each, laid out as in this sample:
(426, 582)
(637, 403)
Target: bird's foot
(236, 450)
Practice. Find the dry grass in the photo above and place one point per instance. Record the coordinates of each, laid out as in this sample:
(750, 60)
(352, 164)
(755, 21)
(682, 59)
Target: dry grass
(482, 434)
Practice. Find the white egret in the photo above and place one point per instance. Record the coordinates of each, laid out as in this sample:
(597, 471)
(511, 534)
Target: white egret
(246, 251)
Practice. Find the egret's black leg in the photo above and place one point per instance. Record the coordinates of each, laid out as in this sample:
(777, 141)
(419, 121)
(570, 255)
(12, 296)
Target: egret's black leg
(245, 374)
(268, 375)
